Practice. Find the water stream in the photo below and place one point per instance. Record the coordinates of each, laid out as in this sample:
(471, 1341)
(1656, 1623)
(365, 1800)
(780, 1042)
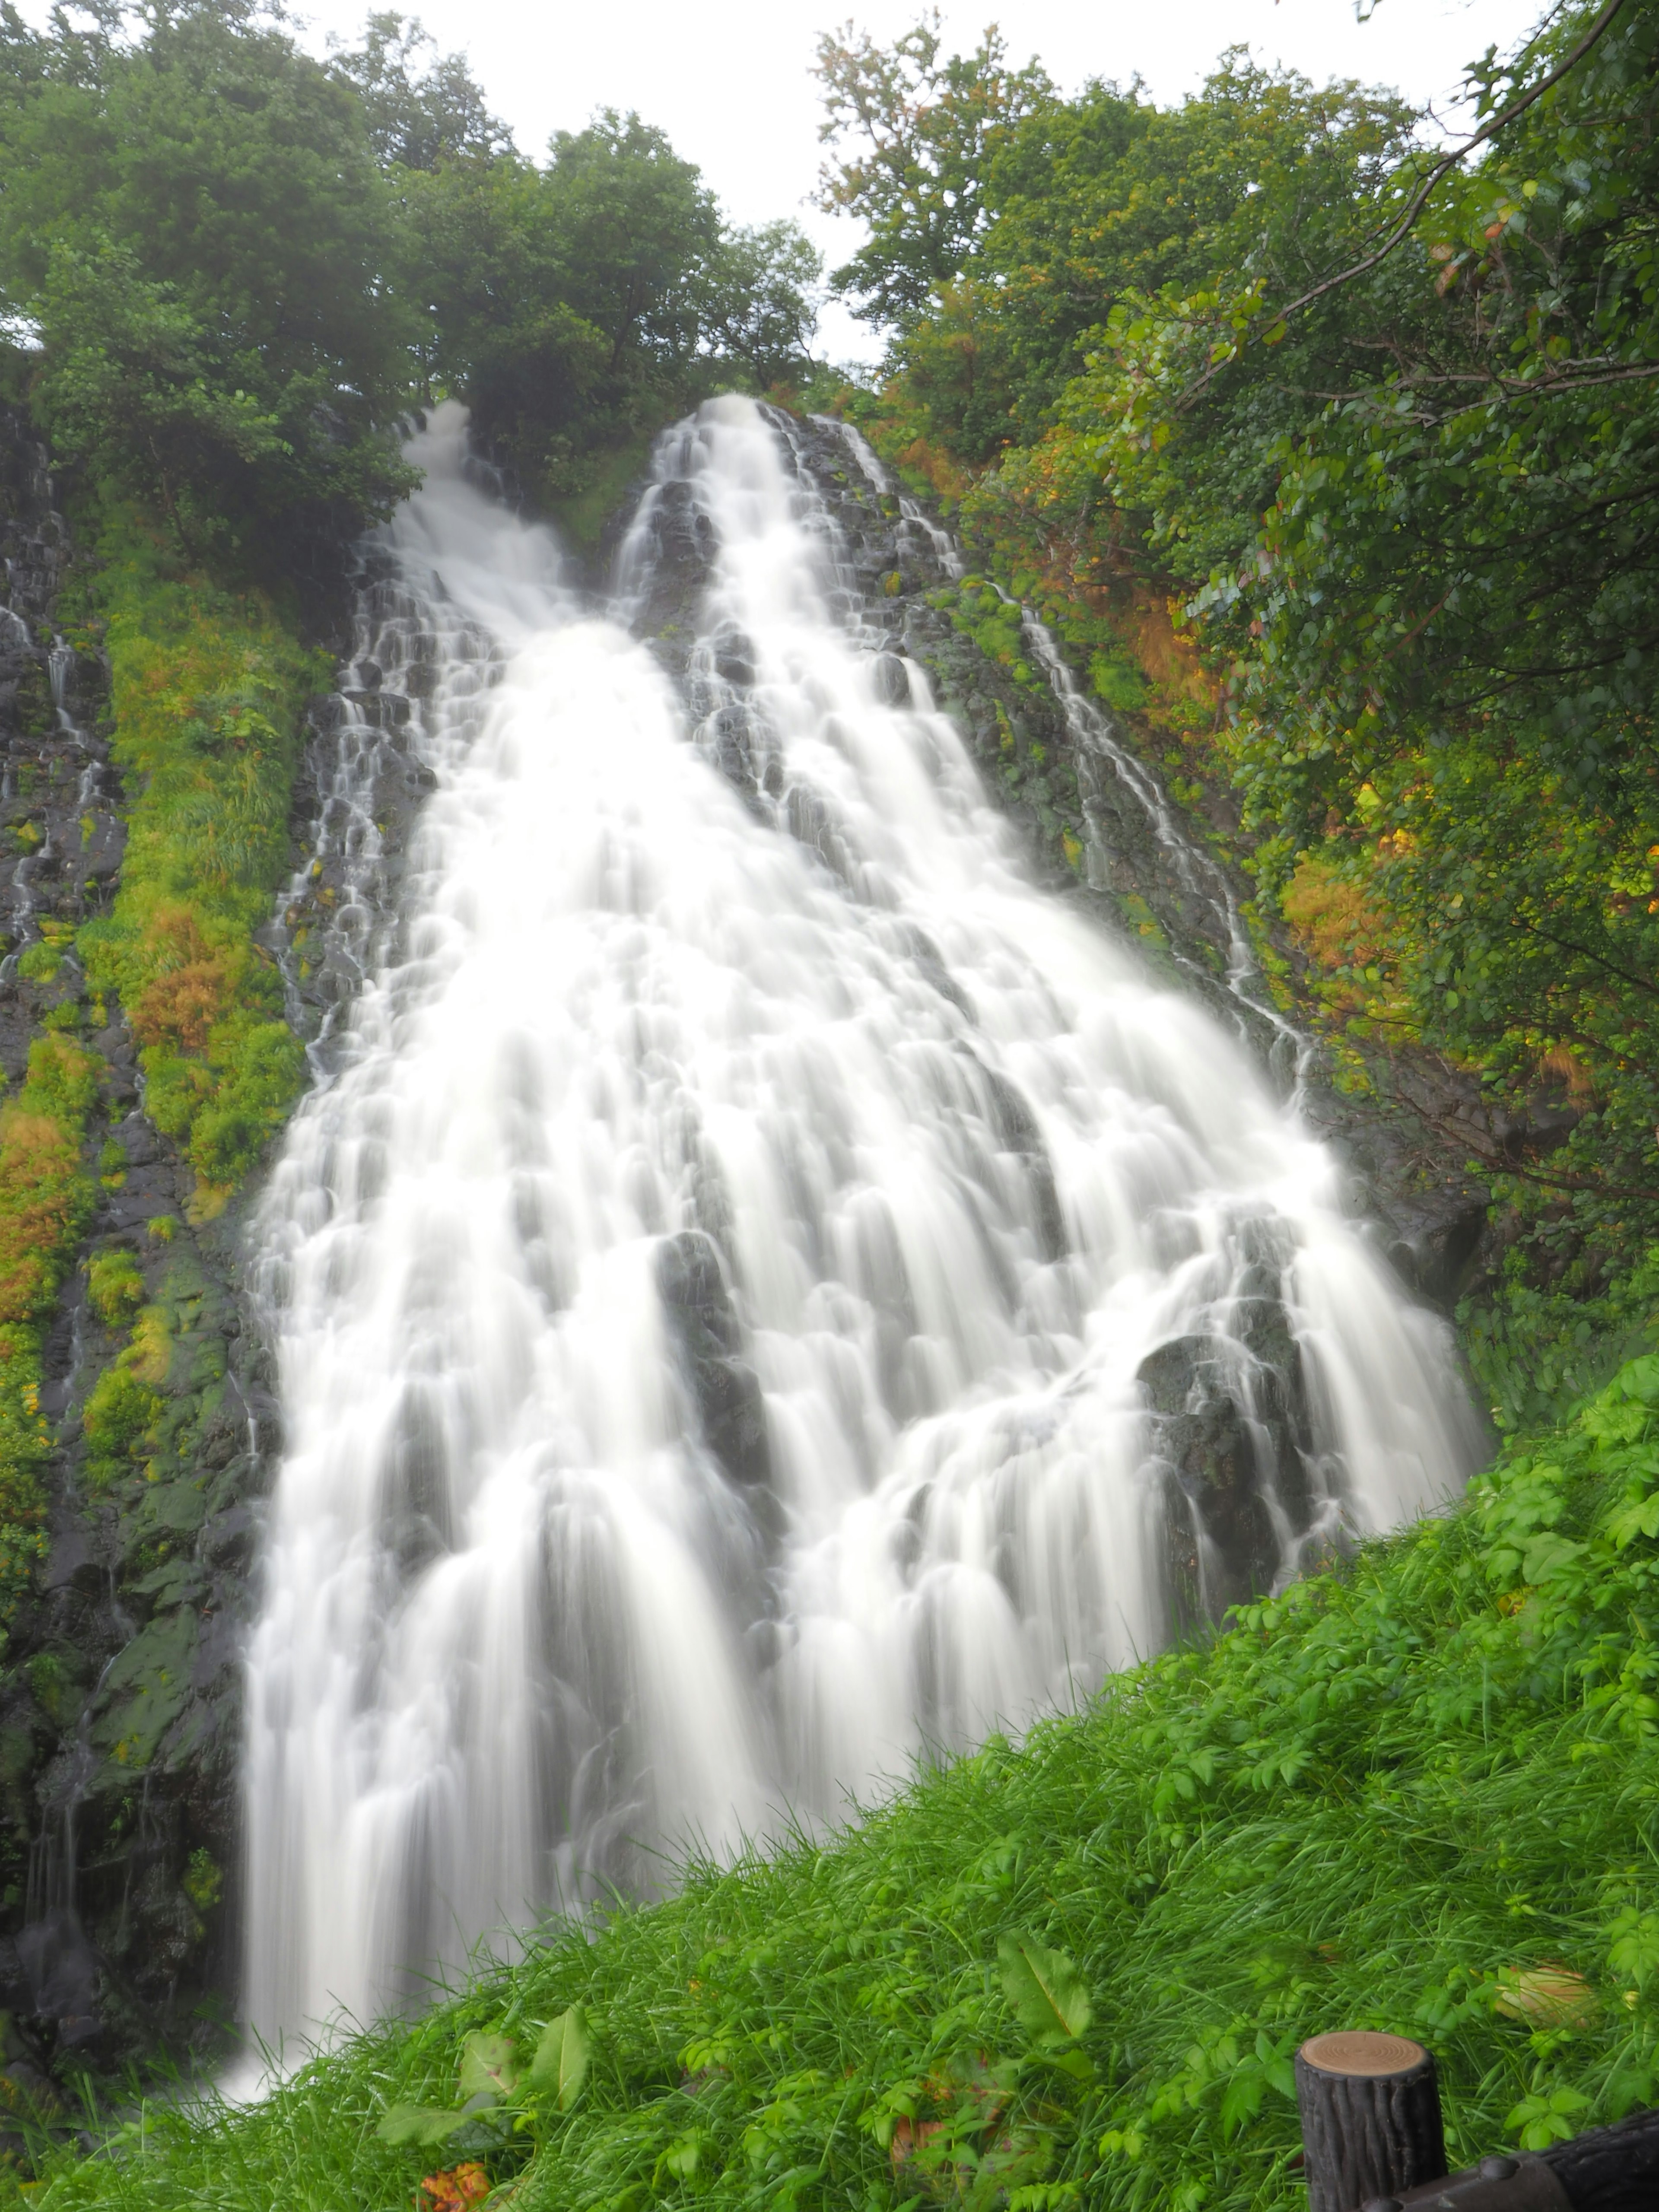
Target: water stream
(714, 1276)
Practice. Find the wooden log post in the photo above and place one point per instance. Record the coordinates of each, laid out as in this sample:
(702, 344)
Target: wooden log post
(1371, 2118)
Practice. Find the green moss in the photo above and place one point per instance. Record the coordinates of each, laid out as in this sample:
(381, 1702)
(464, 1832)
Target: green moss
(207, 692)
(39, 963)
(121, 1410)
(581, 515)
(204, 1882)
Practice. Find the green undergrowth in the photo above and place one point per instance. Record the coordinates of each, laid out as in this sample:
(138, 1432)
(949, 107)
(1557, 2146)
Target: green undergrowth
(208, 689)
(1418, 1793)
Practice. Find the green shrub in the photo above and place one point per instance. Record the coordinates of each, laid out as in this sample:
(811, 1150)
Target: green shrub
(115, 1285)
(39, 963)
(121, 1410)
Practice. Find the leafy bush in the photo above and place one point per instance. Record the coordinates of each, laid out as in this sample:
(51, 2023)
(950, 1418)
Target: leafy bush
(115, 1285)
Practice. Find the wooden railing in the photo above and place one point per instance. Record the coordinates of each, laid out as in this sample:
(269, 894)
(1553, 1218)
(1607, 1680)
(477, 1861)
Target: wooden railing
(1372, 2141)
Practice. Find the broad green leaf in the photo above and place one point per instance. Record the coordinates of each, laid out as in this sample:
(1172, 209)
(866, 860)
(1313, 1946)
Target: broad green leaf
(560, 2066)
(1546, 1556)
(1547, 2117)
(1641, 1519)
(1050, 1997)
(487, 2066)
(419, 2124)
(681, 2158)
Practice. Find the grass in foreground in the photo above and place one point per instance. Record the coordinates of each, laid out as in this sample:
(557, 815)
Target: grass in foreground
(1420, 1794)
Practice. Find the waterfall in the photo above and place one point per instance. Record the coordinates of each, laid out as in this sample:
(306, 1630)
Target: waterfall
(747, 1283)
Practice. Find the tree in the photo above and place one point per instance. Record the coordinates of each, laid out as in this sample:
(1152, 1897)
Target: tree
(417, 117)
(924, 132)
(758, 310)
(491, 273)
(195, 224)
(636, 226)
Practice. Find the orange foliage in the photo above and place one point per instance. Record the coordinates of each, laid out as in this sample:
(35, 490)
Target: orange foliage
(40, 1199)
(194, 990)
(933, 462)
(1334, 922)
(180, 1007)
(455, 2190)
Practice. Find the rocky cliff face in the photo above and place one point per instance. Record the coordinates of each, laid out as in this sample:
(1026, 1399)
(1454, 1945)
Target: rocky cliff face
(118, 1707)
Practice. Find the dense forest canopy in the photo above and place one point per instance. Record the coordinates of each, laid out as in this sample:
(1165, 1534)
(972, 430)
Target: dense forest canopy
(1396, 451)
(242, 266)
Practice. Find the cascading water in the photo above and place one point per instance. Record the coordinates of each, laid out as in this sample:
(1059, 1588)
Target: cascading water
(735, 1295)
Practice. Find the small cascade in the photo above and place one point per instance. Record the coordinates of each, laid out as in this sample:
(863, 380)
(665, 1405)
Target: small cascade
(1098, 740)
(80, 845)
(762, 1293)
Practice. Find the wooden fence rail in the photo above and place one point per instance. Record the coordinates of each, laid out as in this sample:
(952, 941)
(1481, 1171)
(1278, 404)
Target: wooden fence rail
(1372, 2143)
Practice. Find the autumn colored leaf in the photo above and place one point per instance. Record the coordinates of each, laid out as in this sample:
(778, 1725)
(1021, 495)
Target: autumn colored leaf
(455, 2190)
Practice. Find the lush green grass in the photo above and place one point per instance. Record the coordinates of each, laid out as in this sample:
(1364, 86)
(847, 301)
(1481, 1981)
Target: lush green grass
(1419, 1794)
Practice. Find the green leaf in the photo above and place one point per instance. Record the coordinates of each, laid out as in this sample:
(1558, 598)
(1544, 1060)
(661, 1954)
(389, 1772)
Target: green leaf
(1633, 1951)
(1546, 2117)
(487, 2067)
(1242, 2099)
(1546, 1556)
(559, 2065)
(1050, 1997)
(1641, 1519)
(419, 2124)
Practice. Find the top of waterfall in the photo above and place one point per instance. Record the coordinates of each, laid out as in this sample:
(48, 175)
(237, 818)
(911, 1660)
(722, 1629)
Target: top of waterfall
(504, 572)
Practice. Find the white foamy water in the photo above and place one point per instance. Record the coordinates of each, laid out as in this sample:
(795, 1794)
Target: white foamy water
(671, 1090)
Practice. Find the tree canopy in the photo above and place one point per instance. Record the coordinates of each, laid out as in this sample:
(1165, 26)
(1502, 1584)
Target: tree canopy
(240, 266)
(1407, 496)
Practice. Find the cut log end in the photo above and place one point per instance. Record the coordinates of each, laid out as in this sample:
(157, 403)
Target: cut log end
(1371, 2118)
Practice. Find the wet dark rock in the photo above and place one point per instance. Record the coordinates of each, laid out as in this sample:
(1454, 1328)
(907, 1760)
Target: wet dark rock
(892, 680)
(1229, 1426)
(703, 1322)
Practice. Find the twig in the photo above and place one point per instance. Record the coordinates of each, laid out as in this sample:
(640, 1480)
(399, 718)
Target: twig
(1420, 198)
(1449, 162)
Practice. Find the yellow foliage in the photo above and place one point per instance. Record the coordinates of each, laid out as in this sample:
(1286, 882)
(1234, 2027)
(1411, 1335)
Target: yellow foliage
(1347, 937)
